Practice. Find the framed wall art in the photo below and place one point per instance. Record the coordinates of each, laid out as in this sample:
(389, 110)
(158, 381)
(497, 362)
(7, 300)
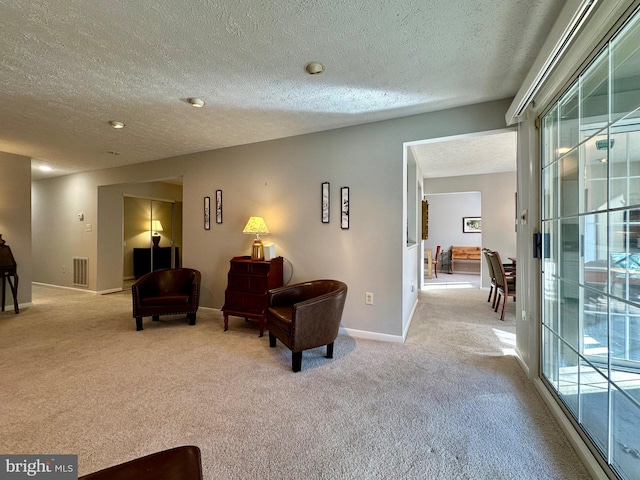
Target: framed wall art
(471, 225)
(344, 208)
(325, 202)
(425, 220)
(218, 206)
(207, 213)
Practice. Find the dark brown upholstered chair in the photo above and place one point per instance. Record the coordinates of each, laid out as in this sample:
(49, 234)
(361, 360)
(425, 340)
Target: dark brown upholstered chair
(180, 463)
(505, 284)
(306, 315)
(169, 291)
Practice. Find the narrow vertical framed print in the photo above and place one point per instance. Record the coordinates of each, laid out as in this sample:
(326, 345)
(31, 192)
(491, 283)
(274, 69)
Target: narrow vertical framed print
(207, 213)
(344, 208)
(325, 202)
(218, 206)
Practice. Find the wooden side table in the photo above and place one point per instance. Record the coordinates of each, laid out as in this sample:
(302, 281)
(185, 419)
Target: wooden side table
(248, 282)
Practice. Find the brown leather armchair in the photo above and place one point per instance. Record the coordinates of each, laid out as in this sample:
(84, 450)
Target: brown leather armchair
(170, 291)
(180, 463)
(306, 315)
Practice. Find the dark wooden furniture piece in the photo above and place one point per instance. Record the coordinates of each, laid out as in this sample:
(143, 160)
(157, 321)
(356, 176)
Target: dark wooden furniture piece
(306, 315)
(171, 291)
(180, 463)
(161, 259)
(248, 282)
(9, 272)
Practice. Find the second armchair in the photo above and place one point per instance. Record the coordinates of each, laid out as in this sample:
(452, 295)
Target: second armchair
(306, 315)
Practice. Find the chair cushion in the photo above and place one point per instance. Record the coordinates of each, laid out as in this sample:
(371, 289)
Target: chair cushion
(281, 317)
(164, 300)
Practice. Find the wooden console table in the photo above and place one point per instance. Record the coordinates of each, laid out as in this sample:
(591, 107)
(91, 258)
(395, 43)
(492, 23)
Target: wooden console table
(248, 282)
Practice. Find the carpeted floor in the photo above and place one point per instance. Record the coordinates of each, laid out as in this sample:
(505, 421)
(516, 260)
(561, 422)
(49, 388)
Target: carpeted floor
(447, 404)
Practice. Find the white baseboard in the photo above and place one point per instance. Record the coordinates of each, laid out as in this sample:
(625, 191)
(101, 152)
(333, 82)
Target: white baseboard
(64, 288)
(371, 335)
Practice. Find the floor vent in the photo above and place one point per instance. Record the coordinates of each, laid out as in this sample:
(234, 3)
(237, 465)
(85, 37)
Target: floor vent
(80, 272)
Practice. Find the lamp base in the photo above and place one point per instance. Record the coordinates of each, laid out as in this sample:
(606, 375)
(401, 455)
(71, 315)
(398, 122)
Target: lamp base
(156, 240)
(257, 250)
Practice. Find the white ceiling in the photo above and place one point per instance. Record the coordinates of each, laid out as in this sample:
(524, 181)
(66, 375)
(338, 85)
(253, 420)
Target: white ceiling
(492, 152)
(68, 67)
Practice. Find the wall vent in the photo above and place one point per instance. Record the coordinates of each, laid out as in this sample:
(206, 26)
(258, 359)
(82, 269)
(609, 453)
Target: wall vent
(80, 272)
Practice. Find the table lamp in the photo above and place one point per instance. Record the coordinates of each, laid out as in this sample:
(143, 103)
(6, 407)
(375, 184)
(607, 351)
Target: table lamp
(256, 225)
(156, 227)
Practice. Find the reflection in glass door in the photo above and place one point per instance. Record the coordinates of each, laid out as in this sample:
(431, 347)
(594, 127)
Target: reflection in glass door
(591, 268)
(152, 237)
(161, 240)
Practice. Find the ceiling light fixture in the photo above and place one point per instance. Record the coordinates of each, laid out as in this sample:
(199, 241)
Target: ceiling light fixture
(314, 68)
(196, 102)
(45, 168)
(116, 124)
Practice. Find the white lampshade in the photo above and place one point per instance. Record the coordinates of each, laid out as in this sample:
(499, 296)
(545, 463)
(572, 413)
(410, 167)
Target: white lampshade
(156, 226)
(256, 225)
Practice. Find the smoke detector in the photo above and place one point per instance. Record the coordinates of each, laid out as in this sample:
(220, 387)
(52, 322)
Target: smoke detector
(196, 102)
(314, 68)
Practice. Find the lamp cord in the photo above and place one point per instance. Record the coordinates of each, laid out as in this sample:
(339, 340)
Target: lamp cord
(290, 276)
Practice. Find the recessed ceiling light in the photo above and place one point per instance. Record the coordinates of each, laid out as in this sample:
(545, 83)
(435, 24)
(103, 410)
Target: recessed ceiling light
(314, 68)
(603, 160)
(196, 102)
(45, 168)
(116, 124)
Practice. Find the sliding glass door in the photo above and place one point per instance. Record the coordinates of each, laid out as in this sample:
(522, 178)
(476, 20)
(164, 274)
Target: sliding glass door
(591, 261)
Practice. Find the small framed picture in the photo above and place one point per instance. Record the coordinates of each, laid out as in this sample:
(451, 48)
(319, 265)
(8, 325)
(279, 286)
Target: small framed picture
(325, 202)
(471, 225)
(218, 206)
(207, 213)
(344, 208)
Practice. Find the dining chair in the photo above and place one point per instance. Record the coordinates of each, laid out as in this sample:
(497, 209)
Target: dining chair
(505, 284)
(492, 276)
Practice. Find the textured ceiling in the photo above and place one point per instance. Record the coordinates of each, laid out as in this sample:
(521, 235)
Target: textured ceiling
(67, 67)
(475, 155)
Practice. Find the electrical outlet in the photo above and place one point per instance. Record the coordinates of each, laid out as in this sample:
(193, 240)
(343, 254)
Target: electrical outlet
(64, 269)
(368, 298)
(524, 316)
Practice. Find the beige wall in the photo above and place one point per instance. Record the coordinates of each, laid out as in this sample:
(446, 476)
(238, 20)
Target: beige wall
(281, 181)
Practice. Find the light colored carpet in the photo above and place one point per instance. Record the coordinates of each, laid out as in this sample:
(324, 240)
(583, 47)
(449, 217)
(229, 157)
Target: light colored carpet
(77, 378)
